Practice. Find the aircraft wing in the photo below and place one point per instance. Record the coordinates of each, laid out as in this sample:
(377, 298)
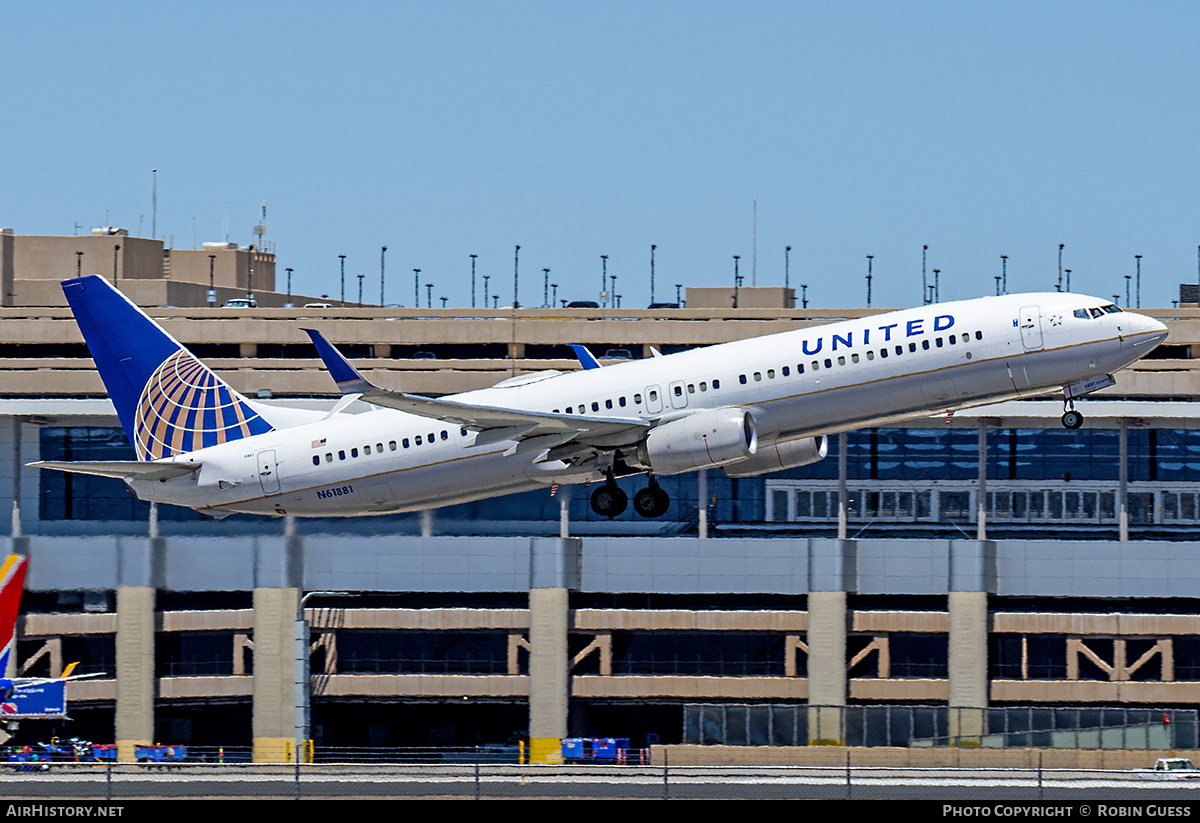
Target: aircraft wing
(495, 423)
(121, 469)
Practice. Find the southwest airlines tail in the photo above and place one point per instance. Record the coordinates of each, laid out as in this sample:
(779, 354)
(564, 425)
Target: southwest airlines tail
(168, 401)
(12, 583)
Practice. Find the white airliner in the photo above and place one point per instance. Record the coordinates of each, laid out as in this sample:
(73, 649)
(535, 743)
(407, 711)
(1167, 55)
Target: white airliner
(750, 407)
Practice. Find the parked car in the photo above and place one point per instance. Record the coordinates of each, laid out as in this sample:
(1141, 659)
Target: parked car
(583, 304)
(318, 305)
(241, 303)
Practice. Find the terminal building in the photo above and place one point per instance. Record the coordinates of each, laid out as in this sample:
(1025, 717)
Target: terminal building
(985, 576)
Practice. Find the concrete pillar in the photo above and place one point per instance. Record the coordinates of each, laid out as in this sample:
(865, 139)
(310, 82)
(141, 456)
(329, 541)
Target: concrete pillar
(274, 714)
(832, 572)
(827, 680)
(135, 670)
(140, 572)
(554, 571)
(1123, 482)
(972, 576)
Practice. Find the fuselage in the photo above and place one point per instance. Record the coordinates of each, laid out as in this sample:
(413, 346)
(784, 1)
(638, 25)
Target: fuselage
(813, 381)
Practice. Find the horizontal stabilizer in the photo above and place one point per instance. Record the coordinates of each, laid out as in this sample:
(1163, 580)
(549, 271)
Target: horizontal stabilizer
(121, 469)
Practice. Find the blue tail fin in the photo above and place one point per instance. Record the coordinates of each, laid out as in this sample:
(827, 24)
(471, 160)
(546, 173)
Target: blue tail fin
(168, 401)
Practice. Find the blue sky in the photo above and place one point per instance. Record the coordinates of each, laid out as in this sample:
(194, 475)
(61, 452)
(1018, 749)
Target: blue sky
(444, 129)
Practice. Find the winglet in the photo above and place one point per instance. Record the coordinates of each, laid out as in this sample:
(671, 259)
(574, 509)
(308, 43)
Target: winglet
(346, 376)
(67, 671)
(586, 358)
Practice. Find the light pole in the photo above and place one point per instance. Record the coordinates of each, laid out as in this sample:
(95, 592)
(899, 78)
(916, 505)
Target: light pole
(997, 285)
(737, 280)
(443, 299)
(360, 282)
(382, 252)
(554, 295)
(804, 295)
(473, 256)
(429, 295)
(870, 259)
(342, 257)
(486, 277)
(546, 288)
(652, 248)
(1059, 286)
(416, 288)
(79, 263)
(613, 286)
(1128, 277)
(516, 277)
(1068, 273)
(1004, 273)
(678, 302)
(116, 251)
(937, 291)
(1138, 292)
(787, 251)
(924, 281)
(212, 291)
(604, 280)
(289, 286)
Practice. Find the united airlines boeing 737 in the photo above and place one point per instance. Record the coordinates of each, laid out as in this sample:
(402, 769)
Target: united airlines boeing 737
(750, 407)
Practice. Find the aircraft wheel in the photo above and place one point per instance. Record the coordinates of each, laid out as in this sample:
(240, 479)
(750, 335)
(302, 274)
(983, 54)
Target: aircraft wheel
(651, 501)
(1072, 419)
(609, 500)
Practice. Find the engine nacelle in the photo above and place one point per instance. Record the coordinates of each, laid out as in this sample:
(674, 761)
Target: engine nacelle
(778, 456)
(700, 441)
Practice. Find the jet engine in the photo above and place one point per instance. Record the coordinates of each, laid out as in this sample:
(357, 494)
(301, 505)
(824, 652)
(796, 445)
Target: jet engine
(778, 456)
(700, 441)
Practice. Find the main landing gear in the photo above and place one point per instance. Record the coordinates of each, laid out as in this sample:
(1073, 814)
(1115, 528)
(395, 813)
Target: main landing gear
(610, 501)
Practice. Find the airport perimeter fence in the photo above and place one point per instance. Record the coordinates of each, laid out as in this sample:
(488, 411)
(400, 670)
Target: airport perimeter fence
(113, 783)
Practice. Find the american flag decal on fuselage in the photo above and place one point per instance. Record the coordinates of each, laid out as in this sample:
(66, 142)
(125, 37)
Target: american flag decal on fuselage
(185, 407)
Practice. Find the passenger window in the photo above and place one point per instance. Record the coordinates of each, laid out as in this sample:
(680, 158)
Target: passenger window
(758, 377)
(691, 388)
(900, 349)
(978, 335)
(883, 352)
(392, 445)
(608, 404)
(841, 360)
(417, 440)
(785, 371)
(742, 379)
(621, 402)
(595, 406)
(316, 459)
(366, 449)
(938, 342)
(716, 384)
(815, 365)
(925, 345)
(328, 457)
(637, 399)
(854, 358)
(582, 409)
(799, 368)
(770, 374)
(379, 448)
(653, 396)
(828, 363)
(953, 340)
(679, 391)
(354, 452)
(912, 346)
(445, 434)
(341, 454)
(431, 437)
(405, 443)
(871, 355)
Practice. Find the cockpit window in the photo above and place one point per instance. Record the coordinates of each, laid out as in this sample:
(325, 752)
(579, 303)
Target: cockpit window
(1110, 308)
(1096, 312)
(1082, 314)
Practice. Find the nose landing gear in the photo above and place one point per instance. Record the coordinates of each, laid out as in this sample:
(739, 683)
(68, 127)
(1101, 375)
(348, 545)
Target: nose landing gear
(1071, 419)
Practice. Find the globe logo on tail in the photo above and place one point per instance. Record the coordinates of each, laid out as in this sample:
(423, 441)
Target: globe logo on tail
(185, 407)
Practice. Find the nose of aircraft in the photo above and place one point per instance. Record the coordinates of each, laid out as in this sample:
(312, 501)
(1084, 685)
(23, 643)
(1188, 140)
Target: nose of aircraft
(1147, 332)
